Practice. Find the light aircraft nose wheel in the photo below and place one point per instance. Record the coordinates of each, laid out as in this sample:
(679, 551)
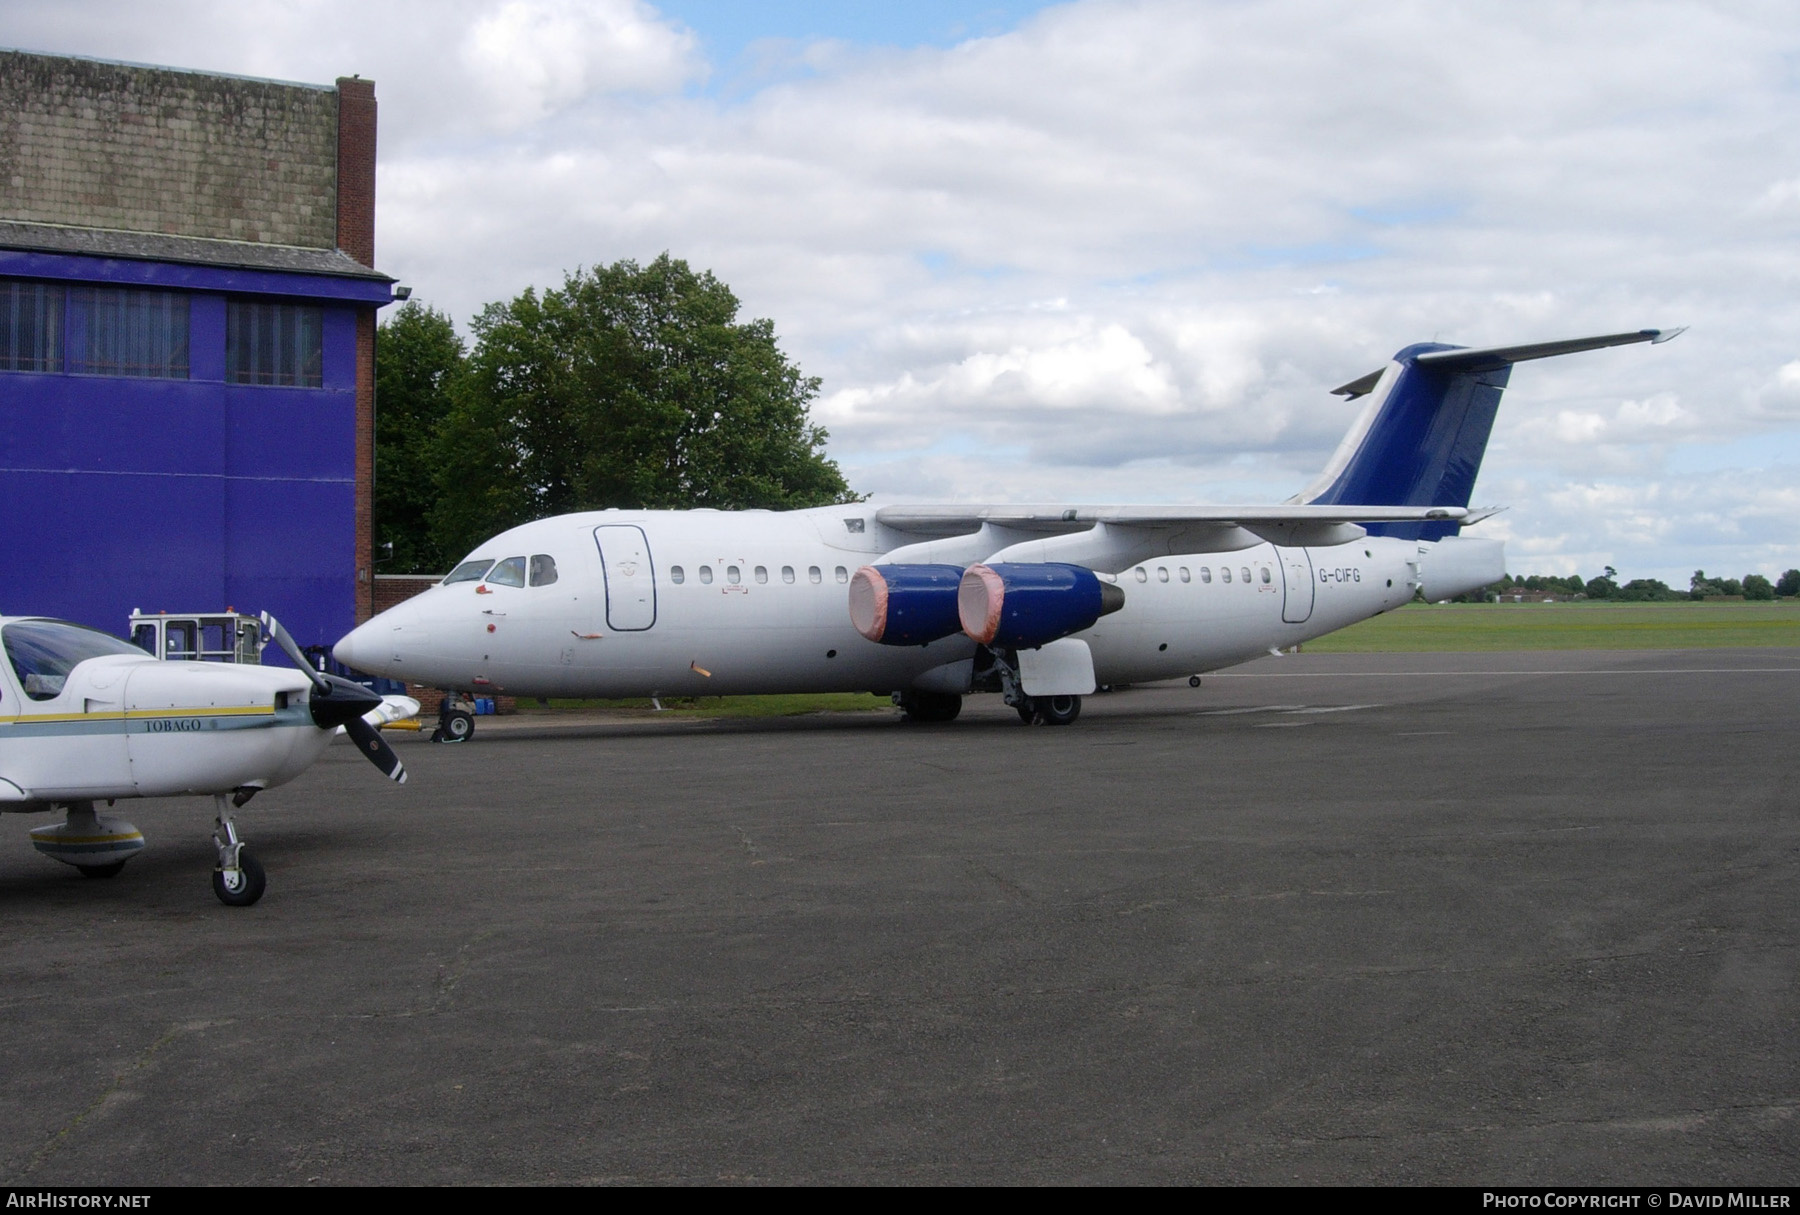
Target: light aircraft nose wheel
(242, 886)
(455, 726)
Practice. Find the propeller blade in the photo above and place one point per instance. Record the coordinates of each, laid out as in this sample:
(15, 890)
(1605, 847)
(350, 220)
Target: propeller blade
(292, 649)
(370, 742)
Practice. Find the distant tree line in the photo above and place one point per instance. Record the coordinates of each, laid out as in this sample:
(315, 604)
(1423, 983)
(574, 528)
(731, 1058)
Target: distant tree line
(629, 386)
(1639, 590)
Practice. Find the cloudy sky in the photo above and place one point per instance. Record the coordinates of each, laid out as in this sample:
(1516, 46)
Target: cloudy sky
(1120, 251)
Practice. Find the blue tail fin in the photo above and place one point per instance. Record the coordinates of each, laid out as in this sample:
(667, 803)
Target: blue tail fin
(1420, 439)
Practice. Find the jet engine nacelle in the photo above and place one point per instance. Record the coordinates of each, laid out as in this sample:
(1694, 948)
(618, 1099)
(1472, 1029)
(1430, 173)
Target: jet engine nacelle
(1020, 605)
(905, 604)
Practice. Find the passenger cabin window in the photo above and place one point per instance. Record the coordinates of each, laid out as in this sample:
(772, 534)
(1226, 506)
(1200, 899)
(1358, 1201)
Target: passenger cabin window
(543, 569)
(706, 574)
(1141, 575)
(732, 576)
(510, 572)
(677, 575)
(1265, 574)
(1224, 573)
(843, 575)
(469, 571)
(787, 573)
(762, 574)
(1206, 573)
(1245, 571)
(812, 574)
(43, 652)
(1185, 576)
(1162, 573)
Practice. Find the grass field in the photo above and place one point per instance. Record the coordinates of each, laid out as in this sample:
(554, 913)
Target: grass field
(1569, 626)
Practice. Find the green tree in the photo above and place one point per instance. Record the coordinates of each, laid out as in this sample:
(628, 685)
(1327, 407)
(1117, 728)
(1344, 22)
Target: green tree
(1603, 587)
(417, 359)
(1758, 587)
(629, 386)
(1789, 584)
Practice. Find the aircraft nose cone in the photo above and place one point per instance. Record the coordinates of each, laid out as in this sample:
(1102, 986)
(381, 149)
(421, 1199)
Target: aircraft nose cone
(375, 645)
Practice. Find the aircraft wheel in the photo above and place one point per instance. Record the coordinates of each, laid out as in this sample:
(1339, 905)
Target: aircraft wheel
(455, 726)
(1193, 681)
(1055, 710)
(1027, 710)
(930, 706)
(244, 887)
(102, 871)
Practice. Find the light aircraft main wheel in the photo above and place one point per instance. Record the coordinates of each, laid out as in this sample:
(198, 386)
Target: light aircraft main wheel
(102, 871)
(1055, 710)
(243, 888)
(457, 726)
(930, 706)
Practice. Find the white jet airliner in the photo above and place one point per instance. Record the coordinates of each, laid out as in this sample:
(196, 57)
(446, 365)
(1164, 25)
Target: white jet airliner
(932, 602)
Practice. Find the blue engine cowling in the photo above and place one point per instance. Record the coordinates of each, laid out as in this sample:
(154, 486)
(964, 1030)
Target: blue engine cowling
(1022, 605)
(905, 604)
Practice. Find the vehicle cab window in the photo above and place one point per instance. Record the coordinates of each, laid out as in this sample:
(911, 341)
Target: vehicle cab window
(543, 569)
(510, 572)
(468, 571)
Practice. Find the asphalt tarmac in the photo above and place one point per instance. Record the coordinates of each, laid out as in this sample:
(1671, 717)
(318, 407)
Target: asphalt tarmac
(1475, 919)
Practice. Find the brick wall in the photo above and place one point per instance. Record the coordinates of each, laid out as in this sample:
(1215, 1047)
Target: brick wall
(143, 149)
(398, 588)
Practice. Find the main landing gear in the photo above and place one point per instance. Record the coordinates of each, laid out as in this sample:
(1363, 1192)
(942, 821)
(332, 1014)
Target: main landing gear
(929, 706)
(1048, 710)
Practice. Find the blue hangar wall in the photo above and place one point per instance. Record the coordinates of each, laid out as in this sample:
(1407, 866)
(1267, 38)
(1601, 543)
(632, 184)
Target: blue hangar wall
(184, 494)
(154, 220)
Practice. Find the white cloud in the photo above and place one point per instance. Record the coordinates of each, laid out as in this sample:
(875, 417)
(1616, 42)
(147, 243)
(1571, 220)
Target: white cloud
(1124, 251)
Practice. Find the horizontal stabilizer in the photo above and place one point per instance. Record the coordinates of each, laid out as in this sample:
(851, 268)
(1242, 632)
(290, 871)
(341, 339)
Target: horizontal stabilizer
(1490, 357)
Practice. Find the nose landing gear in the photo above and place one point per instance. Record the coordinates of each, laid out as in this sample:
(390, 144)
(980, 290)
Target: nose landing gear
(456, 719)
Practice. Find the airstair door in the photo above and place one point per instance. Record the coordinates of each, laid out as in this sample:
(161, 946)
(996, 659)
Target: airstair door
(630, 577)
(1297, 585)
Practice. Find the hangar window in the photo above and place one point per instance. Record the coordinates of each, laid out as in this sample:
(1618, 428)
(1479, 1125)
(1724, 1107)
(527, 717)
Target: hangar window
(762, 574)
(843, 575)
(812, 574)
(278, 344)
(510, 572)
(31, 317)
(677, 575)
(114, 331)
(787, 573)
(469, 571)
(732, 576)
(543, 569)
(706, 574)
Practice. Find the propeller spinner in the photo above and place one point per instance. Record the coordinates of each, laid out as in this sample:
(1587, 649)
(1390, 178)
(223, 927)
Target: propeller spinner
(337, 701)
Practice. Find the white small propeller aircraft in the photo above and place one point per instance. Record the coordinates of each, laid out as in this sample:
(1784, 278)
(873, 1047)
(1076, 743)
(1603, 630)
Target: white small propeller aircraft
(1038, 603)
(86, 717)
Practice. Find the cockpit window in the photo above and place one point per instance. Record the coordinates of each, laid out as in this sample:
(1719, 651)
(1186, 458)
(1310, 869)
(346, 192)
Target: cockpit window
(510, 572)
(43, 652)
(468, 571)
(543, 569)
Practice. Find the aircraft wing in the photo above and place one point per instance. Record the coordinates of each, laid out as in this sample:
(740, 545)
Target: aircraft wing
(949, 520)
(1112, 538)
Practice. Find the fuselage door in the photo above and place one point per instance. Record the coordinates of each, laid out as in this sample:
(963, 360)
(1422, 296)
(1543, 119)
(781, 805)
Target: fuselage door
(1297, 584)
(630, 578)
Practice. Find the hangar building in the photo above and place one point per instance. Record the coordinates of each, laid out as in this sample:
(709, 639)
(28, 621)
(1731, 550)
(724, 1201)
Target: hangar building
(187, 339)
